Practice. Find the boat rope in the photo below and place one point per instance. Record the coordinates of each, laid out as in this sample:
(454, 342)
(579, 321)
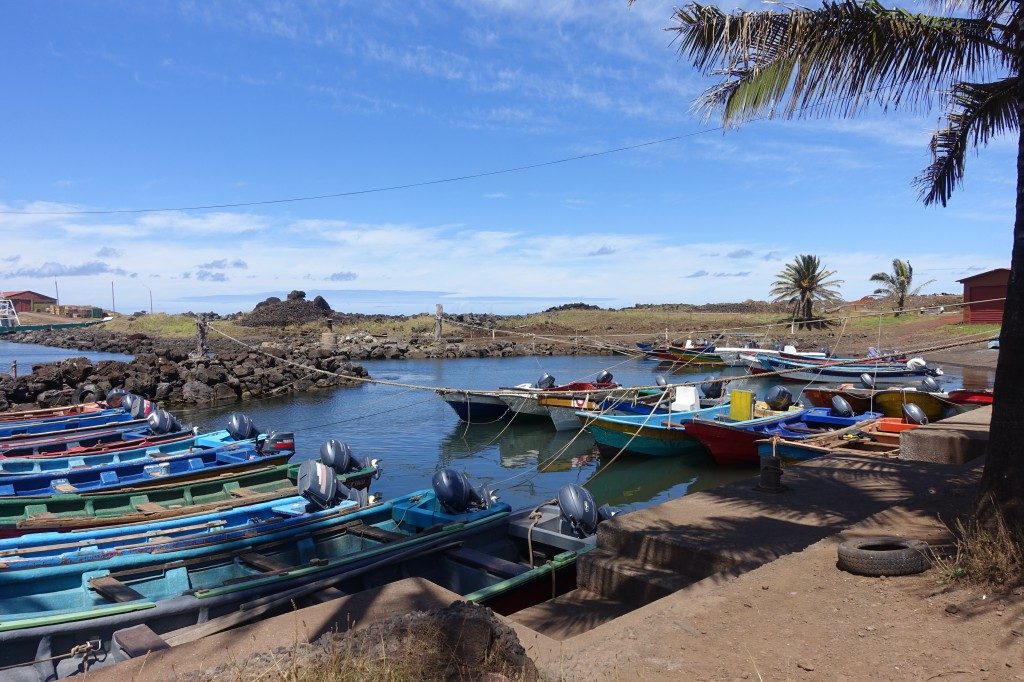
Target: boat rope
(535, 517)
(82, 650)
(965, 340)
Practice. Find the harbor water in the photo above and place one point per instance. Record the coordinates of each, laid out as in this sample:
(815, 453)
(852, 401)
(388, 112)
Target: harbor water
(414, 433)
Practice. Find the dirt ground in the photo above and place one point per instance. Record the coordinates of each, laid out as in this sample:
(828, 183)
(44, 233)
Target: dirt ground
(801, 618)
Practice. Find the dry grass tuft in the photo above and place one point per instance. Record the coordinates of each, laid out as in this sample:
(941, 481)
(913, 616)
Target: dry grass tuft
(985, 555)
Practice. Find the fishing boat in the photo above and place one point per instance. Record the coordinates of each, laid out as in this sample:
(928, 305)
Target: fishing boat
(800, 370)
(57, 425)
(148, 453)
(66, 512)
(475, 407)
(879, 437)
(239, 456)
(43, 412)
(665, 435)
(734, 443)
(889, 402)
(459, 537)
(970, 396)
(524, 399)
(652, 435)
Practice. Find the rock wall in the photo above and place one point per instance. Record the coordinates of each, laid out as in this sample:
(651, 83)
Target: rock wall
(163, 371)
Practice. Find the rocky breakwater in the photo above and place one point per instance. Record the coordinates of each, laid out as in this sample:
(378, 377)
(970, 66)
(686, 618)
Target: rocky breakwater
(165, 372)
(361, 345)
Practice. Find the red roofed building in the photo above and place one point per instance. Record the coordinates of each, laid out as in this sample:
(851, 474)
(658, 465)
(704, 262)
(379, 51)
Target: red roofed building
(28, 301)
(984, 295)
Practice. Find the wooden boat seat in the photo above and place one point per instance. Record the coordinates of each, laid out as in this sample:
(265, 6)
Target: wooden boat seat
(264, 563)
(243, 492)
(377, 534)
(150, 507)
(503, 568)
(113, 589)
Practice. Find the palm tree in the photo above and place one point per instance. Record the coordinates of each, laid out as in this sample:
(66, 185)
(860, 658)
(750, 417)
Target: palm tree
(847, 54)
(803, 282)
(897, 284)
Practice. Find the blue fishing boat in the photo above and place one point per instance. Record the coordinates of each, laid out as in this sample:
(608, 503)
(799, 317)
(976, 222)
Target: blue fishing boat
(58, 425)
(230, 458)
(822, 371)
(151, 453)
(653, 435)
(92, 441)
(458, 537)
(734, 443)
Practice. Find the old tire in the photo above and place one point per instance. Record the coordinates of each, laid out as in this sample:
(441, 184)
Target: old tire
(884, 556)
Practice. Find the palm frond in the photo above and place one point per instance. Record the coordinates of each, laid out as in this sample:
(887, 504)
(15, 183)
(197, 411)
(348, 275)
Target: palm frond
(829, 60)
(979, 112)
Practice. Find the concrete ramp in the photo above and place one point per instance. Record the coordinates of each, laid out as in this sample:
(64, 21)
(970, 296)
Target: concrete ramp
(955, 440)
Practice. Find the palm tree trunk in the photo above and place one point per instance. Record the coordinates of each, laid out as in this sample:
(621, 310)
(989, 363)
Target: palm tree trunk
(900, 303)
(1002, 484)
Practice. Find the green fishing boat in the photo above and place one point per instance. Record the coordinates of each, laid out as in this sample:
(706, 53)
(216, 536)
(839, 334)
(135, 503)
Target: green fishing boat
(70, 512)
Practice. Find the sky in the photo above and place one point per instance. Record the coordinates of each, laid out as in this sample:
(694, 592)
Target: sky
(113, 106)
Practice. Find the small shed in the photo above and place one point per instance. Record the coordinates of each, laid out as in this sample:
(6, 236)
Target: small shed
(983, 288)
(28, 301)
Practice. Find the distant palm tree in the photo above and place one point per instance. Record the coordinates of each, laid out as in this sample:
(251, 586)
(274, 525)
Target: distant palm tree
(803, 282)
(897, 284)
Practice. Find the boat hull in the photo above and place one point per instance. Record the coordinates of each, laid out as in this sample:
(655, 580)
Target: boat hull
(476, 408)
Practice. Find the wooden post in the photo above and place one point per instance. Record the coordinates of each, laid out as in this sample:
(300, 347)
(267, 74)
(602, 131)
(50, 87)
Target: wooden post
(437, 322)
(14, 368)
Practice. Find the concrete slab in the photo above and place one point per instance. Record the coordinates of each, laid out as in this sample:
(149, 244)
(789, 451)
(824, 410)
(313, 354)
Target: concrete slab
(301, 625)
(955, 440)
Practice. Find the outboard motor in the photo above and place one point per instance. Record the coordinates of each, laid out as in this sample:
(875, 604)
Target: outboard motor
(128, 400)
(929, 384)
(115, 397)
(660, 381)
(338, 456)
(456, 495)
(914, 364)
(713, 390)
(779, 398)
(605, 377)
(241, 427)
(913, 414)
(825, 351)
(161, 421)
(546, 381)
(319, 485)
(873, 352)
(142, 408)
(278, 443)
(840, 407)
(86, 393)
(867, 381)
(579, 511)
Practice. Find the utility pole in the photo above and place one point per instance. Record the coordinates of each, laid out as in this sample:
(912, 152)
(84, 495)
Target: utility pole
(56, 289)
(437, 322)
(113, 303)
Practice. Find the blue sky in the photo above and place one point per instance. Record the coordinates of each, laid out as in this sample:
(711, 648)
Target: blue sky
(111, 105)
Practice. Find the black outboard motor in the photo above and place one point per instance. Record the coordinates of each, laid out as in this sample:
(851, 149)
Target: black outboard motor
(142, 408)
(241, 427)
(161, 421)
(929, 384)
(660, 381)
(456, 495)
(278, 443)
(605, 377)
(115, 397)
(338, 456)
(713, 390)
(779, 398)
(579, 511)
(128, 400)
(867, 381)
(913, 414)
(546, 381)
(840, 407)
